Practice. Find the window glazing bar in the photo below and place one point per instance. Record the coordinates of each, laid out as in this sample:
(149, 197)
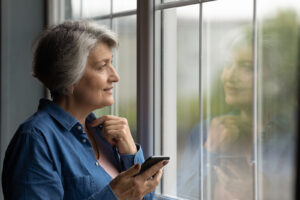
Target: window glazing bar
(145, 99)
(203, 1)
(201, 166)
(176, 4)
(111, 108)
(255, 107)
(114, 15)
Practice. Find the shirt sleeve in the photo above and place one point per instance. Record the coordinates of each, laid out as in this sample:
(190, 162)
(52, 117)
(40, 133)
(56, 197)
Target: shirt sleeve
(105, 193)
(28, 171)
(128, 160)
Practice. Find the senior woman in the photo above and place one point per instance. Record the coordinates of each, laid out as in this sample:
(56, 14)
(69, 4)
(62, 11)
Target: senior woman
(63, 151)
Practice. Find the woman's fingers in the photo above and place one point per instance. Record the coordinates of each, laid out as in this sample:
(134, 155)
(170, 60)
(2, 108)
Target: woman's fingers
(111, 139)
(153, 170)
(120, 128)
(126, 186)
(117, 132)
(98, 121)
(156, 178)
(154, 182)
(103, 119)
(221, 176)
(115, 121)
(135, 169)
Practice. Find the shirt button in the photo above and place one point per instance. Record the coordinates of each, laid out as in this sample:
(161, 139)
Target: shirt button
(79, 128)
(97, 164)
(84, 140)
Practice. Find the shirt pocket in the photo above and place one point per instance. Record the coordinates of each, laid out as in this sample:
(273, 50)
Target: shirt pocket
(78, 187)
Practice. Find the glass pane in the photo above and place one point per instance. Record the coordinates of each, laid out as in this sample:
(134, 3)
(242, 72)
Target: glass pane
(125, 63)
(278, 59)
(102, 111)
(93, 8)
(75, 9)
(68, 9)
(123, 5)
(227, 101)
(104, 22)
(166, 1)
(180, 86)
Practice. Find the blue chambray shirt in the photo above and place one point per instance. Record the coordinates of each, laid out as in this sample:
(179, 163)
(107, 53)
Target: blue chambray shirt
(50, 157)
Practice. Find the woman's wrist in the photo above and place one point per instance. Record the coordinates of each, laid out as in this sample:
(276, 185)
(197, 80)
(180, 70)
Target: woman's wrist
(127, 148)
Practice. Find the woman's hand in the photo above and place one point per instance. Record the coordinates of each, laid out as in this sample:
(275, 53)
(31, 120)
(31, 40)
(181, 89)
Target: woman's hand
(229, 134)
(234, 181)
(128, 186)
(117, 132)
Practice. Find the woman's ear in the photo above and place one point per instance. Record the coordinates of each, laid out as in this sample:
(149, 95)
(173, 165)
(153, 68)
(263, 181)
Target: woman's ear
(71, 89)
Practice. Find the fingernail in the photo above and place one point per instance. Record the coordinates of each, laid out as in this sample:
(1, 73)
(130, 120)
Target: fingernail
(165, 162)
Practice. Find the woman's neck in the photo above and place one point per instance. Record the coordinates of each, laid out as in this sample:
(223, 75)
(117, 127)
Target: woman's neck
(77, 110)
(246, 114)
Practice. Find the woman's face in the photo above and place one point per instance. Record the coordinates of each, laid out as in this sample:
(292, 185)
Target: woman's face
(95, 88)
(237, 79)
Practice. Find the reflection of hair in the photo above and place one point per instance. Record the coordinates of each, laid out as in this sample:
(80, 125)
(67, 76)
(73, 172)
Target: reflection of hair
(237, 39)
(278, 52)
(61, 51)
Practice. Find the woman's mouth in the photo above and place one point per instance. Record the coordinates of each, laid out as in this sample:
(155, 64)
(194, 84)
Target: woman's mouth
(109, 90)
(232, 90)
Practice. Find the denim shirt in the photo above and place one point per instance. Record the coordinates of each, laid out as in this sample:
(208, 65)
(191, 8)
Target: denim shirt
(50, 157)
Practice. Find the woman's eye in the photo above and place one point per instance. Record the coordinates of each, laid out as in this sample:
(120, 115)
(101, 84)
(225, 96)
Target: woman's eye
(246, 65)
(102, 66)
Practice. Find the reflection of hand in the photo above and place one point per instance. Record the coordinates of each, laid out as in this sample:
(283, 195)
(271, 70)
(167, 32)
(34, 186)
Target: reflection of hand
(116, 131)
(128, 186)
(227, 134)
(234, 182)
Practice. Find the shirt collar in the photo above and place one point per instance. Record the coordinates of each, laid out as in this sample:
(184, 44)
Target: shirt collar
(60, 115)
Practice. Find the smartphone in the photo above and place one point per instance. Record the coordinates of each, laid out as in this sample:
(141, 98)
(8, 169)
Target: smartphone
(152, 160)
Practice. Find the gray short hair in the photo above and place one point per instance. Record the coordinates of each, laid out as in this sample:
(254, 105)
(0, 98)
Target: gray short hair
(60, 53)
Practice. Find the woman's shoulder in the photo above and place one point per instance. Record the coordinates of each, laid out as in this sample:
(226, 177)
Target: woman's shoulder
(38, 127)
(37, 122)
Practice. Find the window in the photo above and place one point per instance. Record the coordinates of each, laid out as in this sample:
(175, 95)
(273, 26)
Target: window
(227, 118)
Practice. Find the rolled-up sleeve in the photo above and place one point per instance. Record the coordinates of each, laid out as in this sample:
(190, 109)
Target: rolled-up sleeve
(128, 160)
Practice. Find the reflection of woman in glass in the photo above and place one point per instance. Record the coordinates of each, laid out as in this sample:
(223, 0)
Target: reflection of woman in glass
(230, 135)
(228, 159)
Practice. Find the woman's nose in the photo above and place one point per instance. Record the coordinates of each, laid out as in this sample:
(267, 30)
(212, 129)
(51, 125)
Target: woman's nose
(231, 74)
(114, 76)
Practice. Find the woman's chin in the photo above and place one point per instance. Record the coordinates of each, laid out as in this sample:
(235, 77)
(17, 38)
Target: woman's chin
(109, 102)
(103, 104)
(237, 102)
